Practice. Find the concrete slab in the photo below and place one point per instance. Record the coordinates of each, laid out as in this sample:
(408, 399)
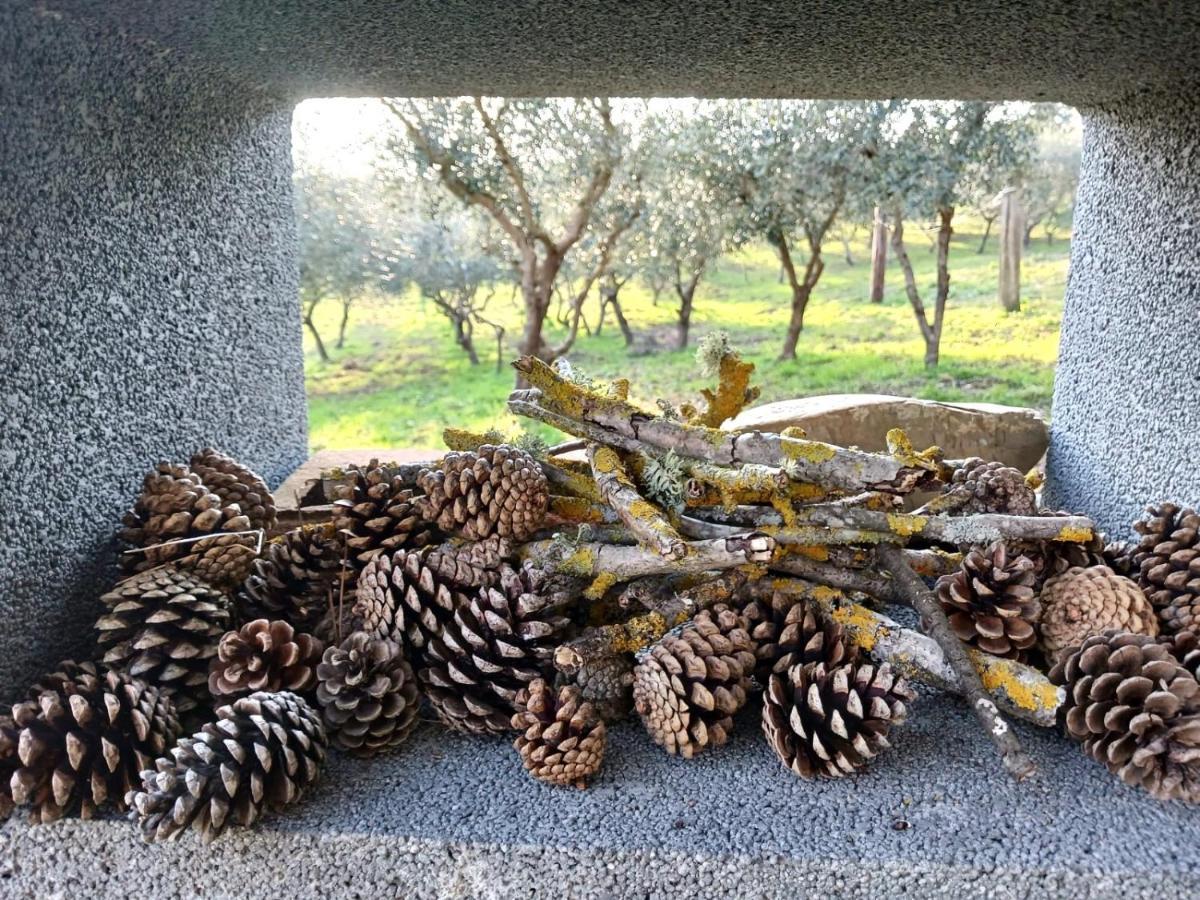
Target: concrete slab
(453, 816)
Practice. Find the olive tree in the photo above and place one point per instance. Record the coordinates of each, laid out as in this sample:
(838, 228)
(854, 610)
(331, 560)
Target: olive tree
(537, 169)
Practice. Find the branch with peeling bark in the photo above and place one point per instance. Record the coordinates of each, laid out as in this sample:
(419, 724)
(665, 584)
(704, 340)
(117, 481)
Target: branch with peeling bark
(642, 518)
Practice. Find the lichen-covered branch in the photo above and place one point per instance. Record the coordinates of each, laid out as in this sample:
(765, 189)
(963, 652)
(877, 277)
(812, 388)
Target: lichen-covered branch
(642, 518)
(733, 392)
(816, 462)
(909, 585)
(1020, 691)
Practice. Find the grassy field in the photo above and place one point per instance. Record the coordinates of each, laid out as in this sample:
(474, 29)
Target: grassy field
(400, 378)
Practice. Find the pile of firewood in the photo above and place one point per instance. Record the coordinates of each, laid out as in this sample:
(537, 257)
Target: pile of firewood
(651, 562)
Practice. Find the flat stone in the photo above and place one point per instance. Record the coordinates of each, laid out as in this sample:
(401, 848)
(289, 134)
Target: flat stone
(297, 485)
(1014, 435)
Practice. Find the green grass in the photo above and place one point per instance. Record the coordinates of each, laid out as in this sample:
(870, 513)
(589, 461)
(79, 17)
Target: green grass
(400, 379)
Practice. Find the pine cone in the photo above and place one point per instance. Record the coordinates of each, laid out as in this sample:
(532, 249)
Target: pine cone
(496, 490)
(234, 483)
(174, 503)
(496, 644)
(832, 721)
(296, 579)
(410, 596)
(688, 686)
(1053, 558)
(223, 561)
(162, 626)
(994, 488)
(377, 515)
(264, 656)
(789, 631)
(79, 742)
(1185, 647)
(1084, 602)
(368, 695)
(1167, 564)
(261, 753)
(564, 739)
(1136, 710)
(991, 603)
(606, 682)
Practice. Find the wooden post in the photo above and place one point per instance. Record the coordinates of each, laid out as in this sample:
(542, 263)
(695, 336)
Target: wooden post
(1012, 236)
(879, 242)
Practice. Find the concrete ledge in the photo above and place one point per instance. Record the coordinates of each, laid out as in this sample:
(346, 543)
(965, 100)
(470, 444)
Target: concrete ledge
(451, 816)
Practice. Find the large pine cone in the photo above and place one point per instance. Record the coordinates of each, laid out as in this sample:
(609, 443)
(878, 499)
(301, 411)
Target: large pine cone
(496, 644)
(298, 578)
(264, 656)
(163, 626)
(261, 753)
(688, 686)
(368, 695)
(497, 490)
(410, 596)
(376, 514)
(832, 721)
(234, 483)
(224, 561)
(1166, 564)
(1136, 710)
(1185, 647)
(174, 503)
(563, 740)
(991, 603)
(1084, 602)
(994, 488)
(789, 631)
(80, 740)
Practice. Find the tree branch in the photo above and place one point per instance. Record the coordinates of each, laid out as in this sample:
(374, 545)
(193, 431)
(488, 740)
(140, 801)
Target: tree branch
(641, 517)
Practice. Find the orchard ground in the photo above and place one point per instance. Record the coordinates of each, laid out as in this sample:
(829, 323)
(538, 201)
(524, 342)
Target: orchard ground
(400, 378)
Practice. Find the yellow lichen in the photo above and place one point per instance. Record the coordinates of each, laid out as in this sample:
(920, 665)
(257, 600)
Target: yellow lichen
(576, 509)
(795, 432)
(600, 585)
(1074, 535)
(808, 451)
(906, 525)
(1023, 691)
(638, 632)
(860, 623)
(818, 552)
(903, 451)
(581, 563)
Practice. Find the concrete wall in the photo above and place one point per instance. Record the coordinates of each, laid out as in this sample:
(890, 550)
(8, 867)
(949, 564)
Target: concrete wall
(1126, 420)
(147, 285)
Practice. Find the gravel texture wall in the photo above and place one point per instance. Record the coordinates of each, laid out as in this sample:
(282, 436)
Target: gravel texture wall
(1125, 426)
(147, 286)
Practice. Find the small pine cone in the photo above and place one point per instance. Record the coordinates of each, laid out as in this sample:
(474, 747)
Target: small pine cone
(376, 515)
(606, 682)
(991, 603)
(80, 740)
(264, 656)
(163, 626)
(1083, 602)
(497, 490)
(789, 631)
(994, 488)
(496, 644)
(832, 721)
(174, 503)
(1053, 558)
(297, 578)
(234, 483)
(368, 695)
(1185, 647)
(1136, 711)
(261, 753)
(563, 740)
(688, 686)
(223, 561)
(1166, 563)
(405, 598)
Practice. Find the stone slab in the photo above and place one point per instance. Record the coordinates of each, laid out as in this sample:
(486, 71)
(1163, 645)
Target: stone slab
(1014, 435)
(455, 816)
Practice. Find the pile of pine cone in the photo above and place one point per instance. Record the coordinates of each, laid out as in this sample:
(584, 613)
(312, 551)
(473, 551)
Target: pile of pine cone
(413, 594)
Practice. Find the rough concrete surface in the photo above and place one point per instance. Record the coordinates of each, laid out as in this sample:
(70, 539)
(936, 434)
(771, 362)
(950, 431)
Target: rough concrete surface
(147, 285)
(1126, 419)
(992, 49)
(455, 816)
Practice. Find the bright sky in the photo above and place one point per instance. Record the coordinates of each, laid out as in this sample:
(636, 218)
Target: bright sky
(337, 134)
